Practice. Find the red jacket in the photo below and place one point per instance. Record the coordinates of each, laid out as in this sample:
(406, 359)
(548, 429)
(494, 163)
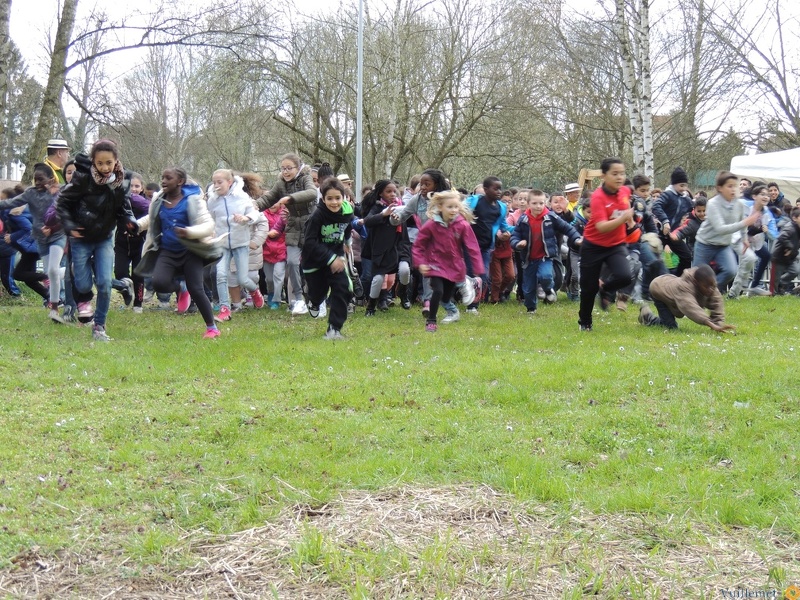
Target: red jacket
(603, 206)
(442, 246)
(275, 248)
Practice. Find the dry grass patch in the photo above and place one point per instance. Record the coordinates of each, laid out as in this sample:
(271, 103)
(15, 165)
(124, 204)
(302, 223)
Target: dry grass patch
(413, 542)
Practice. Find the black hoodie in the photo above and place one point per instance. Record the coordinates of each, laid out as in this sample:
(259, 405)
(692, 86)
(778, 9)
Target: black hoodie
(325, 235)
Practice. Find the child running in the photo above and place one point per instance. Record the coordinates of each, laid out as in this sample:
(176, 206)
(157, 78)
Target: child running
(440, 247)
(50, 243)
(604, 241)
(90, 206)
(233, 211)
(327, 231)
(536, 238)
(179, 243)
(386, 245)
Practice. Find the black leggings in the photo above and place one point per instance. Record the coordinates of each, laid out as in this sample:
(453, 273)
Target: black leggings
(442, 292)
(25, 271)
(170, 265)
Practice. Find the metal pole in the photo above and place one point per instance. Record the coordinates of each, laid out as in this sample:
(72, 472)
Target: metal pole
(359, 98)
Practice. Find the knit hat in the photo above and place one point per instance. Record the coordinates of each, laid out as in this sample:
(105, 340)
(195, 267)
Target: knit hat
(678, 176)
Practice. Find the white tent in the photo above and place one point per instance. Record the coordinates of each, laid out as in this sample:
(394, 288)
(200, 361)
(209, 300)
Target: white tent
(781, 167)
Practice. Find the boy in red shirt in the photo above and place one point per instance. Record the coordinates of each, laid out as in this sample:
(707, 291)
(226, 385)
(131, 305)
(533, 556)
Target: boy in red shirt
(604, 240)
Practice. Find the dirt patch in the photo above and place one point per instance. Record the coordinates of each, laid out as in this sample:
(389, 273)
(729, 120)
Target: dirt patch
(453, 542)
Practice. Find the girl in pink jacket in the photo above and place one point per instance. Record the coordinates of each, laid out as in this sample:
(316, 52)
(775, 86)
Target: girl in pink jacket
(439, 249)
(274, 268)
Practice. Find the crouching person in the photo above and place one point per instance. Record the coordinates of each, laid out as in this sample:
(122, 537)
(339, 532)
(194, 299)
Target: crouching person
(689, 295)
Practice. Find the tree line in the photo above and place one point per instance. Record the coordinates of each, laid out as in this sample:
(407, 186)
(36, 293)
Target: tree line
(527, 90)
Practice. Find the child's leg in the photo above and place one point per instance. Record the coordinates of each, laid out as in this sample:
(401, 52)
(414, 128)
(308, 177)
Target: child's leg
(447, 290)
(223, 266)
(507, 268)
(51, 260)
(317, 283)
(530, 281)
(193, 276)
(437, 290)
(574, 288)
(293, 271)
(341, 292)
(545, 274)
(496, 277)
(241, 256)
(376, 286)
(665, 316)
(278, 275)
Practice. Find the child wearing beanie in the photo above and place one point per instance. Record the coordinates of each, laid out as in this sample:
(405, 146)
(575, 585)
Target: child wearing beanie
(671, 207)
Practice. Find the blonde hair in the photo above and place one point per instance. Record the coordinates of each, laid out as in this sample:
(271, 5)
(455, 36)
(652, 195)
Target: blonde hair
(436, 200)
(226, 172)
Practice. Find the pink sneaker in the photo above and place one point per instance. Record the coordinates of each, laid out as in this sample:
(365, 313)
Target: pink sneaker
(224, 314)
(184, 300)
(431, 327)
(426, 308)
(211, 333)
(85, 311)
(258, 299)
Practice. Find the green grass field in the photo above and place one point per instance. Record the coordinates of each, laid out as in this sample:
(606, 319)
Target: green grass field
(138, 448)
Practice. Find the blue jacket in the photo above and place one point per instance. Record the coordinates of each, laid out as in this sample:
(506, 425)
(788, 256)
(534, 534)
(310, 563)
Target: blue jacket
(552, 225)
(766, 218)
(20, 228)
(501, 223)
(670, 208)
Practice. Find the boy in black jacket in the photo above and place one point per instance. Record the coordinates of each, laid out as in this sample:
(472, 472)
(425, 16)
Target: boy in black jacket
(785, 253)
(327, 231)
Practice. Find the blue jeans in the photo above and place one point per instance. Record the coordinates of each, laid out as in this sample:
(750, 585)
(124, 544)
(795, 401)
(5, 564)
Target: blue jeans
(240, 257)
(538, 271)
(725, 258)
(93, 262)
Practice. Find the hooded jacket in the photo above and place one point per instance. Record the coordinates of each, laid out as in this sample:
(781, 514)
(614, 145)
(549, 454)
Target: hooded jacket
(91, 208)
(325, 236)
(386, 244)
(788, 240)
(20, 227)
(441, 246)
(222, 209)
(303, 201)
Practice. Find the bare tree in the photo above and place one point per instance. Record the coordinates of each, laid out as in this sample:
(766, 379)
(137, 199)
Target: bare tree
(5, 57)
(766, 56)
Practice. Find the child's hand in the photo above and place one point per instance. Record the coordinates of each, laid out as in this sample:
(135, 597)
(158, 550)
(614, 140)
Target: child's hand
(337, 266)
(503, 235)
(76, 233)
(424, 269)
(253, 245)
(7, 238)
(523, 244)
(272, 234)
(666, 229)
(673, 236)
(722, 328)
(787, 252)
(45, 230)
(180, 232)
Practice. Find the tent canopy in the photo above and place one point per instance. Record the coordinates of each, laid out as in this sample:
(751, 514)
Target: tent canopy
(781, 167)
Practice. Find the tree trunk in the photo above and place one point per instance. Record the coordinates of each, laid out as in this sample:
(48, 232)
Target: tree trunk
(646, 98)
(5, 60)
(52, 93)
(632, 94)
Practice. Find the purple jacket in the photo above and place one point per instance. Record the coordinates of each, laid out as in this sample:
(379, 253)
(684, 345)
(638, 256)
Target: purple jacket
(442, 247)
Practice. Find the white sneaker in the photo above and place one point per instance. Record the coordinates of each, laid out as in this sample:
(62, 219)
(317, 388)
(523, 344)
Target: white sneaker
(138, 310)
(550, 296)
(467, 290)
(333, 334)
(299, 308)
(318, 313)
(472, 311)
(757, 291)
(452, 317)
